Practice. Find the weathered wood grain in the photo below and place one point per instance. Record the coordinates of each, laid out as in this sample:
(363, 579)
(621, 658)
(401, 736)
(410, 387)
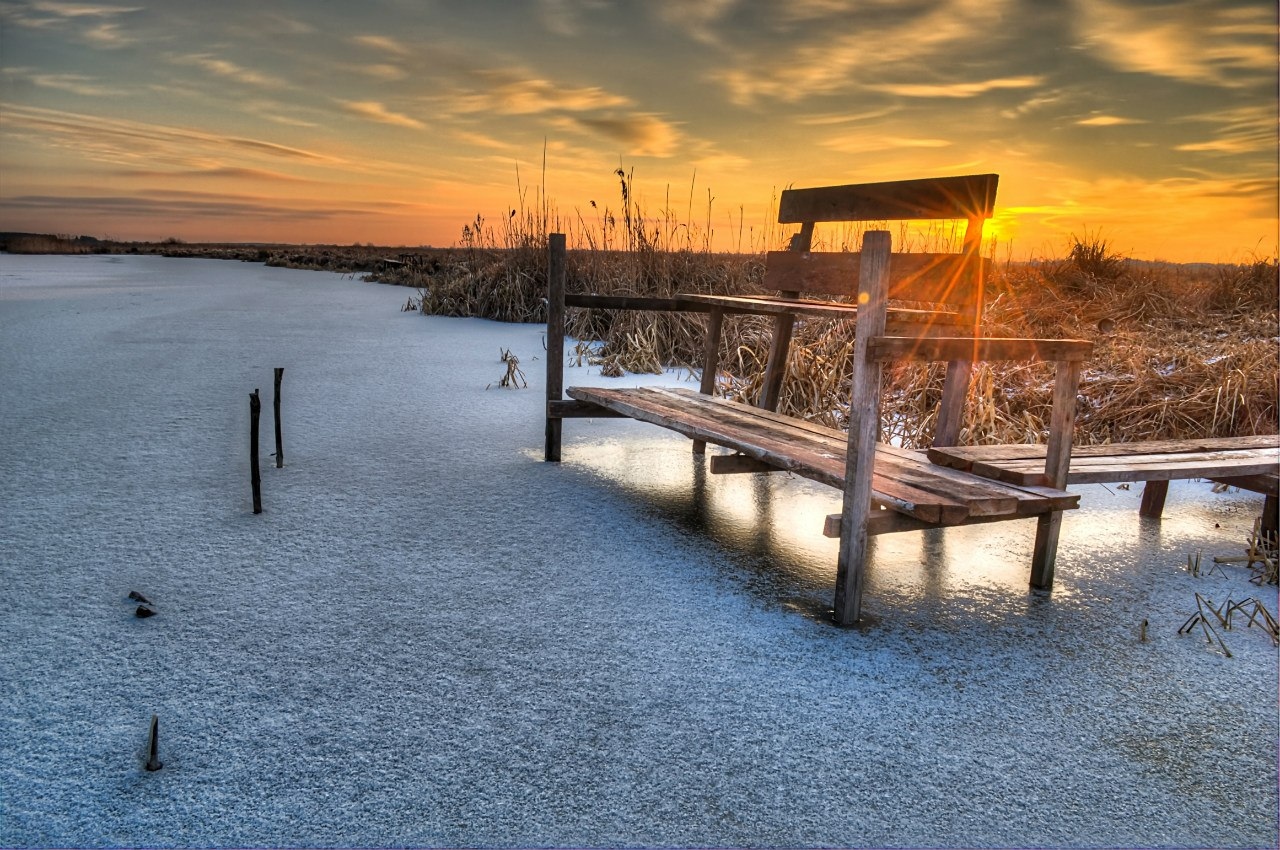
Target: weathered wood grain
(968, 197)
(973, 349)
(555, 343)
(1118, 462)
(934, 278)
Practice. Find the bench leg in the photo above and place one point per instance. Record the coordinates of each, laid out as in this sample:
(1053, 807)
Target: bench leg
(1046, 551)
(951, 410)
(710, 363)
(1270, 516)
(1057, 463)
(864, 428)
(1153, 495)
(551, 450)
(851, 571)
(776, 369)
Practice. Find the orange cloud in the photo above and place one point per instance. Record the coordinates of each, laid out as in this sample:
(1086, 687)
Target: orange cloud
(1108, 121)
(957, 90)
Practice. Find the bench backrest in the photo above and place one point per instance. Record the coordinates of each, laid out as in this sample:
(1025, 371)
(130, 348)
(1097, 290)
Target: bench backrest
(952, 280)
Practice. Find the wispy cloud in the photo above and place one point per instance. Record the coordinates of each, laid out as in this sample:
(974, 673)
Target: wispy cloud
(132, 143)
(109, 36)
(641, 135)
(170, 205)
(375, 111)
(869, 142)
(382, 44)
(1199, 41)
(564, 17)
(831, 119)
(82, 10)
(78, 84)
(225, 172)
(530, 96)
(230, 70)
(93, 23)
(1041, 101)
(839, 55)
(699, 20)
(957, 90)
(1243, 130)
(279, 113)
(384, 71)
(1107, 121)
(481, 140)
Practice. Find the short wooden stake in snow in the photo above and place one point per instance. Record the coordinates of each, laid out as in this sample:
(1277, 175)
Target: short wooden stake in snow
(255, 410)
(279, 439)
(153, 762)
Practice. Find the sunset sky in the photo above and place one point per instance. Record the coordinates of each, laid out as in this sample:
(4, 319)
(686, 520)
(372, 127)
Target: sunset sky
(1150, 124)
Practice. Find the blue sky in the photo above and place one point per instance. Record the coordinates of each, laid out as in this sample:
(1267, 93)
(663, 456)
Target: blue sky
(1151, 124)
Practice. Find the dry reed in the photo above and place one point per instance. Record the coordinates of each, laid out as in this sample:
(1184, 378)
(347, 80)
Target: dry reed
(1180, 351)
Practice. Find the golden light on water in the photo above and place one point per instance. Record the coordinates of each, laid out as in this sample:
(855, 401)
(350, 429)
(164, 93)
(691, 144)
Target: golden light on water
(764, 531)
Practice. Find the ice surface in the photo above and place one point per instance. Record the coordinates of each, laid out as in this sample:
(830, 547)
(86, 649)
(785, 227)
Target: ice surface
(432, 638)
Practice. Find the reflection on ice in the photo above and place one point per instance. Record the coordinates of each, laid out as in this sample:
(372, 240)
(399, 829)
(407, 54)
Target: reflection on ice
(769, 527)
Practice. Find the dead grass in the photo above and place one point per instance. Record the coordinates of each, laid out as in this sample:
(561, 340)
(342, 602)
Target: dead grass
(45, 244)
(1181, 351)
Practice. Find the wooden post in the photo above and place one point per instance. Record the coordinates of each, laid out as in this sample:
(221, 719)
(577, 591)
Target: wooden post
(153, 745)
(1153, 496)
(255, 476)
(864, 427)
(1057, 461)
(276, 405)
(776, 367)
(951, 408)
(710, 363)
(555, 341)
(956, 386)
(1270, 517)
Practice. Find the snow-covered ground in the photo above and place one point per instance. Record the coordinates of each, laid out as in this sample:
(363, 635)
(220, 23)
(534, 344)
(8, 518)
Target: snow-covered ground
(432, 638)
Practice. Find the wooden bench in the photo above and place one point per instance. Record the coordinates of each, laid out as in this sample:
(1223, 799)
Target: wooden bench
(885, 489)
(1250, 463)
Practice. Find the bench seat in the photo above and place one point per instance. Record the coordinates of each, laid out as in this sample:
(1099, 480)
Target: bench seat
(903, 481)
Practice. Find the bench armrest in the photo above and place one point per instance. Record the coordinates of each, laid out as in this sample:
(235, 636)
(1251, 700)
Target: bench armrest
(633, 302)
(973, 349)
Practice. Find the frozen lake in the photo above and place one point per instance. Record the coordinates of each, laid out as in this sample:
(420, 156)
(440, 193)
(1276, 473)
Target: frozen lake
(431, 638)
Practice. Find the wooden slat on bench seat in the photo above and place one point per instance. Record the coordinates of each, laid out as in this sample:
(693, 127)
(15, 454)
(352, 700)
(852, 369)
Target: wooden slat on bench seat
(1023, 451)
(904, 481)
(794, 451)
(894, 466)
(985, 497)
(1164, 460)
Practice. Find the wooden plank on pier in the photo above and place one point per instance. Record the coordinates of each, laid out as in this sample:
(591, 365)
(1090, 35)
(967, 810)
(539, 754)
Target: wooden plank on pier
(1163, 460)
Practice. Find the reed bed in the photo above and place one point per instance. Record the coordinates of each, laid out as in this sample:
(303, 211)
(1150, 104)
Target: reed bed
(1180, 351)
